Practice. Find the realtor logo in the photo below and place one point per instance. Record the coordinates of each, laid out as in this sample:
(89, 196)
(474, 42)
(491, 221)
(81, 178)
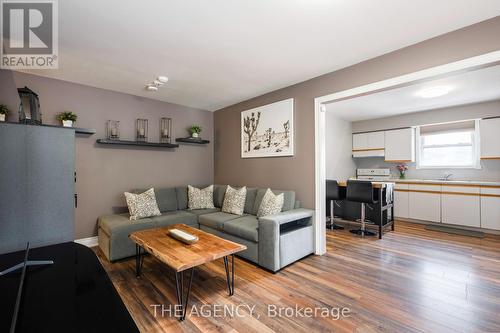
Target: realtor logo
(29, 35)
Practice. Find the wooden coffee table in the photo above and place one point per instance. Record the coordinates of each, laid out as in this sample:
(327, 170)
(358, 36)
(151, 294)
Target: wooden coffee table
(182, 257)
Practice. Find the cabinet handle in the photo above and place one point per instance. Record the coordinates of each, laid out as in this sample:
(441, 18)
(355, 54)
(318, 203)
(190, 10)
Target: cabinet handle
(76, 200)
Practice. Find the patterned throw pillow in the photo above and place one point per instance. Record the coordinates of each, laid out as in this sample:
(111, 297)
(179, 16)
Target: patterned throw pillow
(200, 198)
(234, 200)
(142, 205)
(271, 204)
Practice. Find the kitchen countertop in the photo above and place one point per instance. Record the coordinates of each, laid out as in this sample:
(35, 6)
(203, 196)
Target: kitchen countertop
(445, 182)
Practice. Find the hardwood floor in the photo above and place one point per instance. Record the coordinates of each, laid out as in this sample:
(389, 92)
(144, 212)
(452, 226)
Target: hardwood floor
(413, 280)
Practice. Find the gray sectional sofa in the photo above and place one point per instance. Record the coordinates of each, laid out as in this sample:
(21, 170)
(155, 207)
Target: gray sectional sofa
(272, 241)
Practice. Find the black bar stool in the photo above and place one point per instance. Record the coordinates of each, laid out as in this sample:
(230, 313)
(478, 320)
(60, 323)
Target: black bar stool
(361, 191)
(333, 194)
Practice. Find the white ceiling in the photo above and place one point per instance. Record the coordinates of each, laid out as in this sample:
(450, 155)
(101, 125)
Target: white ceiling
(220, 52)
(472, 87)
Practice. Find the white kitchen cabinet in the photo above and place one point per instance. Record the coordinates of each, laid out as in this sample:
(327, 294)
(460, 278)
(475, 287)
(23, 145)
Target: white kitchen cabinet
(401, 200)
(368, 144)
(424, 202)
(460, 205)
(490, 138)
(490, 208)
(400, 145)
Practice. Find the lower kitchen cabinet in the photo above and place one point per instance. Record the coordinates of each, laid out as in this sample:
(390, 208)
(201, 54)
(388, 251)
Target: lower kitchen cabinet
(401, 200)
(424, 202)
(490, 208)
(461, 205)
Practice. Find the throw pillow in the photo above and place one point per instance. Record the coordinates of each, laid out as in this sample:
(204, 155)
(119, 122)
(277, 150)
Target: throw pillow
(142, 205)
(234, 200)
(200, 198)
(271, 204)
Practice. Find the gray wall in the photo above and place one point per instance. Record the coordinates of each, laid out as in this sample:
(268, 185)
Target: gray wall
(104, 173)
(297, 172)
(338, 142)
(490, 168)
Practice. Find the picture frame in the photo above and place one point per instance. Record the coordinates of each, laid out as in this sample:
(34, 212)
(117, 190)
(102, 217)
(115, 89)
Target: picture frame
(268, 130)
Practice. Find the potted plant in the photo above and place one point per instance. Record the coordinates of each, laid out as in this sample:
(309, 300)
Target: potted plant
(402, 170)
(4, 111)
(67, 118)
(195, 131)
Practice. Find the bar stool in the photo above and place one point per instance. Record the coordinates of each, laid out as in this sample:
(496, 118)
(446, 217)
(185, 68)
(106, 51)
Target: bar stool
(333, 194)
(361, 191)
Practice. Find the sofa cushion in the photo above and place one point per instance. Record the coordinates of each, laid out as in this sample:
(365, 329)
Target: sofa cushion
(203, 211)
(200, 198)
(288, 200)
(234, 200)
(121, 222)
(142, 205)
(177, 217)
(245, 227)
(219, 192)
(250, 200)
(182, 197)
(166, 199)
(271, 204)
(216, 220)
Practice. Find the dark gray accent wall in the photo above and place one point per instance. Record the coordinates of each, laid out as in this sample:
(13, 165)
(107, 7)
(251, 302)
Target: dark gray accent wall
(105, 172)
(36, 186)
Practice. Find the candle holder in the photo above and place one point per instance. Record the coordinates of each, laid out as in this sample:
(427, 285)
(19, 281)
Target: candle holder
(113, 130)
(166, 130)
(141, 130)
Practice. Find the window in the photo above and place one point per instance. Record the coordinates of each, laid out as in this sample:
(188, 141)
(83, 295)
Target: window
(451, 145)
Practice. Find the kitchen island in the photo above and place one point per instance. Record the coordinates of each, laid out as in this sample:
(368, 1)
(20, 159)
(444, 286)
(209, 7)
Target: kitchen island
(379, 215)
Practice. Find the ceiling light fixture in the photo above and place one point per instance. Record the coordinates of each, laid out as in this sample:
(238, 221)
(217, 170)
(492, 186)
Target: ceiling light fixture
(432, 92)
(160, 81)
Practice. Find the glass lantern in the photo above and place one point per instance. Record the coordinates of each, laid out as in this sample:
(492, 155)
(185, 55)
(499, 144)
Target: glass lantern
(141, 130)
(113, 130)
(29, 109)
(166, 130)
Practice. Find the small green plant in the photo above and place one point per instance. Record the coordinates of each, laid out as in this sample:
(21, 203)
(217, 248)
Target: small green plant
(195, 129)
(67, 115)
(4, 109)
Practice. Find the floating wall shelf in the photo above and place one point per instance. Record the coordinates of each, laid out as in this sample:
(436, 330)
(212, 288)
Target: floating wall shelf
(192, 140)
(78, 130)
(136, 143)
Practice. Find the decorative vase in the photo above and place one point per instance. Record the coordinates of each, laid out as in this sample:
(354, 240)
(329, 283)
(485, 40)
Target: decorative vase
(195, 135)
(402, 175)
(67, 123)
(2, 117)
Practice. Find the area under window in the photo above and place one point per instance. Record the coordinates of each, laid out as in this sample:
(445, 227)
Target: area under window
(446, 146)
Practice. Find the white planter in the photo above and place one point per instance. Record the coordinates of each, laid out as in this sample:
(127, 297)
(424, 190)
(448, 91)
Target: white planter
(195, 135)
(67, 123)
(2, 117)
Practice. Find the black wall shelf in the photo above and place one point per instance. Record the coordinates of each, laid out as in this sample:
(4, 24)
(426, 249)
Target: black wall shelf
(136, 143)
(192, 140)
(78, 130)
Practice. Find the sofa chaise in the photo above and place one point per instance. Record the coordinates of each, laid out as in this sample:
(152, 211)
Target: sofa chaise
(272, 241)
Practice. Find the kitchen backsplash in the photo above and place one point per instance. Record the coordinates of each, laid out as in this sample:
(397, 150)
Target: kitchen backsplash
(490, 170)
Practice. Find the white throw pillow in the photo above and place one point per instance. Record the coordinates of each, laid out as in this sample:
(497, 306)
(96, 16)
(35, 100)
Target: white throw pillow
(271, 204)
(142, 205)
(201, 198)
(234, 200)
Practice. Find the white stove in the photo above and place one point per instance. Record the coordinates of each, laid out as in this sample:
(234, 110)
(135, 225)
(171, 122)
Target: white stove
(373, 174)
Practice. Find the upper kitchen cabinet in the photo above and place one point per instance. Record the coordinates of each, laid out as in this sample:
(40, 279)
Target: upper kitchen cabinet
(368, 144)
(490, 138)
(400, 145)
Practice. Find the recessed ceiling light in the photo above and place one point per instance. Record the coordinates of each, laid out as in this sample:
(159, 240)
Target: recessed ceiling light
(150, 87)
(432, 92)
(163, 79)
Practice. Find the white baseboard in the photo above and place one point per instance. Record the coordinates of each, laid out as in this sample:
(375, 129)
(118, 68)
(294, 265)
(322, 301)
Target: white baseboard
(89, 241)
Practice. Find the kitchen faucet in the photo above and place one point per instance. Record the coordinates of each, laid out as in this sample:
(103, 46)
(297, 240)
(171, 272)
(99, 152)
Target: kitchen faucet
(447, 176)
